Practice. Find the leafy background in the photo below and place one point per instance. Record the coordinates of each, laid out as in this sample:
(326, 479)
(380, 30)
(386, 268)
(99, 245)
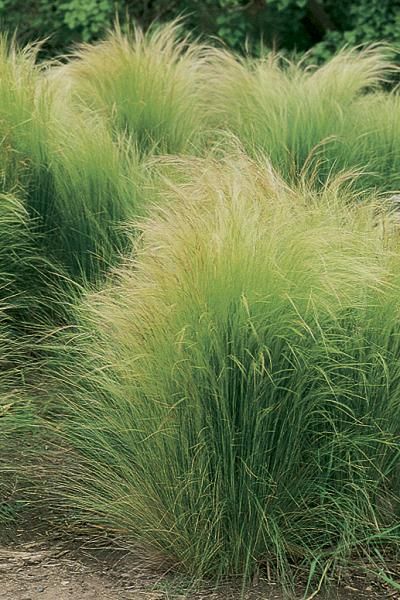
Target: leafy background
(289, 25)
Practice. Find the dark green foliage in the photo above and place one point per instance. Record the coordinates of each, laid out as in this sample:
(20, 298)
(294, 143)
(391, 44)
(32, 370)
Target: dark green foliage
(63, 23)
(293, 25)
(360, 22)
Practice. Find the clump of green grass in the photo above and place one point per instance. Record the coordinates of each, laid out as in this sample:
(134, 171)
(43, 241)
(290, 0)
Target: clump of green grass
(25, 101)
(35, 295)
(145, 85)
(236, 402)
(318, 120)
(98, 185)
(77, 183)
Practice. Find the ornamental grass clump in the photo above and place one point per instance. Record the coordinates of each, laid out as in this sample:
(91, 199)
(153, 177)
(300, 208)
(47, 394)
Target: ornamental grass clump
(25, 102)
(144, 85)
(98, 185)
(78, 183)
(316, 120)
(239, 408)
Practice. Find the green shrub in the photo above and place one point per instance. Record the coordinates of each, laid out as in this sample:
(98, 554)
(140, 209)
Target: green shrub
(360, 22)
(324, 26)
(239, 405)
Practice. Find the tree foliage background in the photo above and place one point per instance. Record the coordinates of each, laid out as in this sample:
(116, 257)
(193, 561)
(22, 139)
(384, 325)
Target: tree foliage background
(290, 25)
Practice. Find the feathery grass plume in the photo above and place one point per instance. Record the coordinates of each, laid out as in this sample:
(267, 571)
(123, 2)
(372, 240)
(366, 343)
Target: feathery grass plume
(298, 115)
(240, 407)
(26, 186)
(146, 85)
(23, 110)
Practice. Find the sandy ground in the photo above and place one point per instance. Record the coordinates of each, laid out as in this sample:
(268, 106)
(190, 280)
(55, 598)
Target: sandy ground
(34, 572)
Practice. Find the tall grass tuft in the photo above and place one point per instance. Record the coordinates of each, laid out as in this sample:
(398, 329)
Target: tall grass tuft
(318, 120)
(98, 184)
(77, 183)
(25, 103)
(144, 85)
(239, 408)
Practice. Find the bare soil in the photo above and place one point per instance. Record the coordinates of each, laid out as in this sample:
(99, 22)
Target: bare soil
(32, 571)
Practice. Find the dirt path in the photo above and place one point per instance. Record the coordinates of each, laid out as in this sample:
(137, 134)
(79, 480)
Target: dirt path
(34, 572)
